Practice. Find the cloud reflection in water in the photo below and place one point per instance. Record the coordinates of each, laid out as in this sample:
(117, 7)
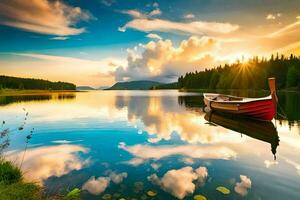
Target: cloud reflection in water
(43, 162)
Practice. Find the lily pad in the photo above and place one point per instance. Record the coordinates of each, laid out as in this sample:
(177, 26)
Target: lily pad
(199, 197)
(223, 190)
(106, 197)
(151, 193)
(74, 194)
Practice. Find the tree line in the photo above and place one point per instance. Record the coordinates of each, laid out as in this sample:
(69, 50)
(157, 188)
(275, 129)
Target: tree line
(249, 75)
(33, 84)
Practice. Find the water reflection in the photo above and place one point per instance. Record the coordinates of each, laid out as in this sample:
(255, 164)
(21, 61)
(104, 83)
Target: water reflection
(130, 144)
(5, 100)
(43, 162)
(261, 130)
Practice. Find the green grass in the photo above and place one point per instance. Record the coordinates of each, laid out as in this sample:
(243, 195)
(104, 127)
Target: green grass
(20, 191)
(12, 186)
(9, 173)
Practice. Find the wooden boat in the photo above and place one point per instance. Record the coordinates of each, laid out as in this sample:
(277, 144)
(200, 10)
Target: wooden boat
(257, 129)
(259, 108)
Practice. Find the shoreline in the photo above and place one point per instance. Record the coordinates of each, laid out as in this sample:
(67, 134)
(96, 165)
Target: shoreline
(13, 92)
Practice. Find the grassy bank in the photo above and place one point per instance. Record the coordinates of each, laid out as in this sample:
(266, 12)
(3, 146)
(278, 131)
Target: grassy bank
(13, 92)
(12, 185)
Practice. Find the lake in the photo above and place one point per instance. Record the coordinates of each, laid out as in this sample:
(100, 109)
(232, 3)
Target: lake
(152, 145)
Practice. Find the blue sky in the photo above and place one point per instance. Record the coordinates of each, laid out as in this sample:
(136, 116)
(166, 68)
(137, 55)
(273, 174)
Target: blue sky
(98, 42)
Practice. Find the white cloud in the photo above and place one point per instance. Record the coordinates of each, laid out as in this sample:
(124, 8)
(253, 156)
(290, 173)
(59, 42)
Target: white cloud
(96, 186)
(189, 16)
(202, 174)
(155, 12)
(41, 163)
(195, 27)
(135, 162)
(155, 166)
(62, 141)
(59, 38)
(179, 182)
(269, 163)
(44, 16)
(162, 59)
(242, 187)
(187, 160)
(99, 185)
(154, 36)
(134, 13)
(145, 152)
(294, 164)
(117, 178)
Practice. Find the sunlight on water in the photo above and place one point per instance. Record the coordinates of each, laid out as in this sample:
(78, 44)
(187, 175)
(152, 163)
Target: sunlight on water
(152, 144)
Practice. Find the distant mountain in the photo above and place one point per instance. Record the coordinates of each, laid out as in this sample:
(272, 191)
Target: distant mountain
(84, 88)
(134, 85)
(102, 87)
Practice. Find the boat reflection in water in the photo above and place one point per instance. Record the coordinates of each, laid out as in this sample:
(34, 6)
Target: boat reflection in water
(261, 130)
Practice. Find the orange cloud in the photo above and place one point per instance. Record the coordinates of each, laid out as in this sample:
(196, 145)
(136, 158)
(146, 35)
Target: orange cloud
(43, 16)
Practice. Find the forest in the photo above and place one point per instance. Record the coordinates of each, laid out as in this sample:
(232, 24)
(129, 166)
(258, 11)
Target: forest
(248, 75)
(7, 82)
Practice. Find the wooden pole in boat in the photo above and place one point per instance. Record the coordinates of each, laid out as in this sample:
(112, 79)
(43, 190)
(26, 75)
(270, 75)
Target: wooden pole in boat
(272, 86)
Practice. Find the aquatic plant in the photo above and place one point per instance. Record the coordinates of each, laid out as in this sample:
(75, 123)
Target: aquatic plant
(151, 193)
(223, 190)
(199, 197)
(73, 195)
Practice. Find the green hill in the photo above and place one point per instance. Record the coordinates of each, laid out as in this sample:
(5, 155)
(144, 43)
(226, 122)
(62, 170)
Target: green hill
(134, 85)
(84, 88)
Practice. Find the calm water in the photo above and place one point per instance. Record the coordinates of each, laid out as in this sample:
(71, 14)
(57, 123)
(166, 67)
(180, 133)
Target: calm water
(131, 142)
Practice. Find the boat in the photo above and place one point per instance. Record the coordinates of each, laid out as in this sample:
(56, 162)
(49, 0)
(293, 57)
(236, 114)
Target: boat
(258, 108)
(261, 130)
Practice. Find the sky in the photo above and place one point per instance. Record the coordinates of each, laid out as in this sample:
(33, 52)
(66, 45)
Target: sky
(100, 42)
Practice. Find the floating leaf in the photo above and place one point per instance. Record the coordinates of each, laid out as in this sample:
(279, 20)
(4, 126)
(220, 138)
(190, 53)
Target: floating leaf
(199, 197)
(122, 199)
(223, 190)
(73, 194)
(106, 196)
(151, 193)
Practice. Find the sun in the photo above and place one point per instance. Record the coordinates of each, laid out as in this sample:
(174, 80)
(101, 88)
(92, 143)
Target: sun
(240, 56)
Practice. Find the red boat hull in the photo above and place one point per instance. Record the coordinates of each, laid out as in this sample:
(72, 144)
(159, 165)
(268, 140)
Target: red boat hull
(263, 109)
